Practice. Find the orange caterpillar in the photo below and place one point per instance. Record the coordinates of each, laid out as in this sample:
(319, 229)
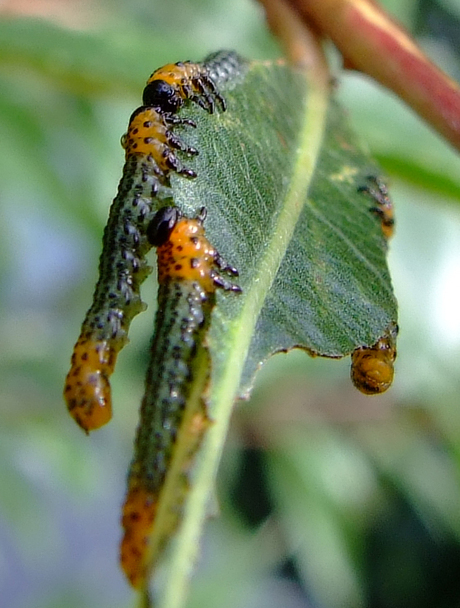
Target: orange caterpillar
(372, 369)
(172, 421)
(185, 254)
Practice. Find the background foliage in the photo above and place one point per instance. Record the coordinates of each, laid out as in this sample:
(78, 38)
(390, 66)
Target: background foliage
(327, 497)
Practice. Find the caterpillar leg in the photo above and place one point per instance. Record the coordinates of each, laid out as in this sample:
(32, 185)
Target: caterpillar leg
(176, 142)
(173, 163)
(172, 119)
(208, 90)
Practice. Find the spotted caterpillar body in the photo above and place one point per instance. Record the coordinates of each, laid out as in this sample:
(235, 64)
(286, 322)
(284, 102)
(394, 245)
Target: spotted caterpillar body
(188, 278)
(149, 135)
(116, 299)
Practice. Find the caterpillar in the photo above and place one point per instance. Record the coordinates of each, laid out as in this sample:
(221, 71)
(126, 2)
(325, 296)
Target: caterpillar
(372, 368)
(173, 414)
(384, 205)
(170, 86)
(149, 147)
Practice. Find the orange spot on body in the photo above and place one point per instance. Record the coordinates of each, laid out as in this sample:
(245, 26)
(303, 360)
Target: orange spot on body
(187, 255)
(87, 386)
(199, 423)
(138, 519)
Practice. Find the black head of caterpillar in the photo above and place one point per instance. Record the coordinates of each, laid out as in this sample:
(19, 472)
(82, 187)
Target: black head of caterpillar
(170, 86)
(372, 368)
(161, 226)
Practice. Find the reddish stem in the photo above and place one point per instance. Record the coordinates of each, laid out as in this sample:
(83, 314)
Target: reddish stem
(374, 43)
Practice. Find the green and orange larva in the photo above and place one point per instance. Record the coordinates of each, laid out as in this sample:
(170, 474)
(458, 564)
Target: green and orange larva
(188, 277)
(372, 368)
(170, 86)
(383, 204)
(116, 300)
(185, 254)
(150, 157)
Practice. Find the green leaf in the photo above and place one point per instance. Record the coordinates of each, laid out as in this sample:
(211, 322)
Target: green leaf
(279, 173)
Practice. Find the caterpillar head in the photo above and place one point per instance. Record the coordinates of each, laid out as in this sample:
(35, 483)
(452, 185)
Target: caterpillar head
(160, 94)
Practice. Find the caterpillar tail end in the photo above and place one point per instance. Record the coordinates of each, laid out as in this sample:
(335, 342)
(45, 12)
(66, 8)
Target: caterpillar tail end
(372, 369)
(87, 387)
(138, 519)
(374, 376)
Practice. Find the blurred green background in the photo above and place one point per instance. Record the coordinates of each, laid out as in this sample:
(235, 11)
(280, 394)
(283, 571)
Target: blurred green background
(327, 498)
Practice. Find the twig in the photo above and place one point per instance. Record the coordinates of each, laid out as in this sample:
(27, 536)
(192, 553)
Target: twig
(372, 42)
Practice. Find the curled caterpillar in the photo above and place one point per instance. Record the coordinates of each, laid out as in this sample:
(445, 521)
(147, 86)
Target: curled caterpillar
(372, 369)
(383, 204)
(173, 414)
(169, 86)
(150, 157)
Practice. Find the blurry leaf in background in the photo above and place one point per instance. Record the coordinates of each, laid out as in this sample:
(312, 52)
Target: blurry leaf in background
(369, 470)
